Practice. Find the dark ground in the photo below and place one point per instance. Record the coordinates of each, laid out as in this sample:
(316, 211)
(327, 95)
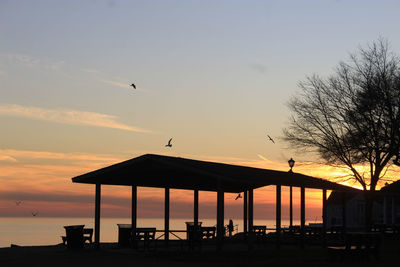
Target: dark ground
(231, 255)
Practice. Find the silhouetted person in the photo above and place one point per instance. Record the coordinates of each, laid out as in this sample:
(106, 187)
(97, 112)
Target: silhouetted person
(230, 227)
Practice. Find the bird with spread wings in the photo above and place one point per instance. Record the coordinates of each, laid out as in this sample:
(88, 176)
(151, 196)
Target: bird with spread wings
(270, 138)
(169, 143)
(238, 196)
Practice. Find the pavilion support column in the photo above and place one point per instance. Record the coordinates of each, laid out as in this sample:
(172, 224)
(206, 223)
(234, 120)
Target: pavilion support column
(393, 210)
(134, 214)
(250, 234)
(291, 209)
(278, 216)
(220, 219)
(302, 214)
(245, 211)
(97, 216)
(324, 218)
(166, 216)
(251, 213)
(344, 217)
(385, 210)
(196, 207)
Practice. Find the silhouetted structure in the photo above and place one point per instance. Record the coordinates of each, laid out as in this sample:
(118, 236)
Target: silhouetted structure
(74, 236)
(82, 235)
(385, 207)
(180, 173)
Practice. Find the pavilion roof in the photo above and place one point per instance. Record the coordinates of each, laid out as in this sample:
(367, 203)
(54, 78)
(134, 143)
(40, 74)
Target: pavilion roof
(180, 173)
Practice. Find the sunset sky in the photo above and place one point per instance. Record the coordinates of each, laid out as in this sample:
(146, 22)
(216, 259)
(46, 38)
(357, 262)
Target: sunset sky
(213, 75)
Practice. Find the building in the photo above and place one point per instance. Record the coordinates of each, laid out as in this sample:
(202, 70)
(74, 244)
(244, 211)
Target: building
(385, 207)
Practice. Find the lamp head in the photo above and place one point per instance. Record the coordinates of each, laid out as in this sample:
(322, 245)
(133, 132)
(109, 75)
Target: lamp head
(291, 164)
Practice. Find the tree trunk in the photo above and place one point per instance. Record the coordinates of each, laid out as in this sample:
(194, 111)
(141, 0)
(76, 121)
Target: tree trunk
(369, 200)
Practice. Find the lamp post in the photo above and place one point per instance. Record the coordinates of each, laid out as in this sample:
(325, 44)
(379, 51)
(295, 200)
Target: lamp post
(291, 164)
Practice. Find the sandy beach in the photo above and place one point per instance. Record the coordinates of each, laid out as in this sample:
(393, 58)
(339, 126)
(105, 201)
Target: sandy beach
(111, 255)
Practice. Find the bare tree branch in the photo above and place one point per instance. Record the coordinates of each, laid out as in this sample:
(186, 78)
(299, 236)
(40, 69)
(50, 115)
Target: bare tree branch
(353, 116)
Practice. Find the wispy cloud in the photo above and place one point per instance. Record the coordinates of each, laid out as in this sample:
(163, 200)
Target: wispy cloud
(262, 157)
(13, 155)
(260, 68)
(126, 85)
(24, 59)
(119, 84)
(6, 158)
(115, 81)
(32, 62)
(66, 116)
(90, 70)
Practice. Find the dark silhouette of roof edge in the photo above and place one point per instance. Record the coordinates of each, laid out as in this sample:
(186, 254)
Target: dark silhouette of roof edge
(161, 171)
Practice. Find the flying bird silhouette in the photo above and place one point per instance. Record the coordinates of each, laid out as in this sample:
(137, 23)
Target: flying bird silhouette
(34, 213)
(18, 202)
(238, 196)
(133, 85)
(270, 138)
(169, 143)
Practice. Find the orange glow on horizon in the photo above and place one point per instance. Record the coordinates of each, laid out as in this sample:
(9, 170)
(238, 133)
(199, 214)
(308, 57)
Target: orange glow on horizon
(44, 184)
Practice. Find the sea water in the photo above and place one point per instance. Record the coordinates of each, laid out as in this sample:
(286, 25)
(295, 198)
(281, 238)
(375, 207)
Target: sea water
(36, 231)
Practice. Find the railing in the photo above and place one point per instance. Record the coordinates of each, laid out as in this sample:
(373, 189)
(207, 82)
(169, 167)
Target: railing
(172, 232)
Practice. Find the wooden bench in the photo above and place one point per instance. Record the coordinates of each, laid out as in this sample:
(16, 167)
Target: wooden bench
(259, 231)
(147, 235)
(195, 235)
(87, 236)
(295, 229)
(208, 232)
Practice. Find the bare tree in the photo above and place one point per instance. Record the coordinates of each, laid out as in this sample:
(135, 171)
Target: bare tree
(353, 116)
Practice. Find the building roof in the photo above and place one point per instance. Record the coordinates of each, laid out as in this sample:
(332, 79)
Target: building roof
(336, 198)
(180, 173)
(393, 188)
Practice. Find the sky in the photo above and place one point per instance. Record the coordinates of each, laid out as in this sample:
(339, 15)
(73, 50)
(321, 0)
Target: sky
(213, 75)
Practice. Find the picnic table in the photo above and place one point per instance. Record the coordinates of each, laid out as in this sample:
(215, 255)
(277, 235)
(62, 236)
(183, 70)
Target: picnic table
(146, 234)
(194, 234)
(260, 231)
(124, 234)
(74, 237)
(197, 233)
(208, 232)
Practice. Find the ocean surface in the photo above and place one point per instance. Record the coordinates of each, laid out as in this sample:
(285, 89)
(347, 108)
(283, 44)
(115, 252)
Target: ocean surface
(35, 231)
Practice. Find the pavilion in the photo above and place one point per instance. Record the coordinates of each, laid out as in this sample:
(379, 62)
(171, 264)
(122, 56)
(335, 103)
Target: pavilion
(180, 173)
